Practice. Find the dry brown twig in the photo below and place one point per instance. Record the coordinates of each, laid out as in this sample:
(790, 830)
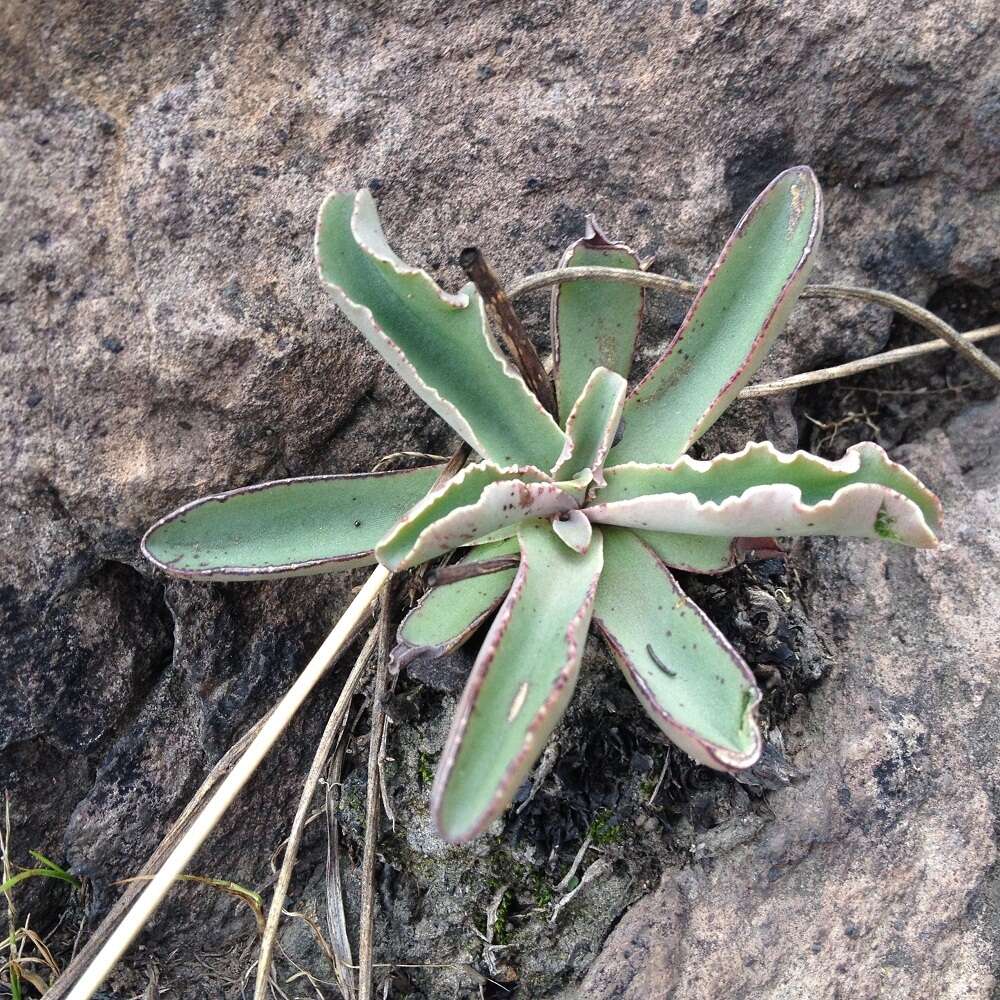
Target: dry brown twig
(331, 733)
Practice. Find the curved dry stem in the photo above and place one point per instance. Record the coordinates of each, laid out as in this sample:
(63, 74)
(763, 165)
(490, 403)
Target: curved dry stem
(205, 822)
(894, 357)
(917, 314)
(330, 735)
(914, 313)
(546, 279)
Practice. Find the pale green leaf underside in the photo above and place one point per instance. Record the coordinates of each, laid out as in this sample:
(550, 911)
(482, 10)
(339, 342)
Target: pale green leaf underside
(439, 344)
(520, 685)
(481, 501)
(761, 491)
(575, 529)
(594, 323)
(289, 527)
(689, 679)
(732, 322)
(591, 426)
(692, 553)
(447, 615)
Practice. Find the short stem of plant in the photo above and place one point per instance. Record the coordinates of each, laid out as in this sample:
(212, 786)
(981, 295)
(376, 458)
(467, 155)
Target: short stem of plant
(202, 826)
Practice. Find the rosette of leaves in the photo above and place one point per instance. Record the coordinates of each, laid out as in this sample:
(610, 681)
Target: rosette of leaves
(570, 519)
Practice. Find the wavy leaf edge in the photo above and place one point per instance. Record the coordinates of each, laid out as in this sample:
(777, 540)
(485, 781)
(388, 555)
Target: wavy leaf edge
(364, 212)
(920, 516)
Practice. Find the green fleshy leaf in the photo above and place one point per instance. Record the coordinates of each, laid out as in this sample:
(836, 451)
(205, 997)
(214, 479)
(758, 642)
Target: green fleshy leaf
(740, 309)
(483, 500)
(591, 426)
(693, 553)
(448, 614)
(760, 491)
(520, 685)
(439, 344)
(289, 527)
(594, 323)
(692, 683)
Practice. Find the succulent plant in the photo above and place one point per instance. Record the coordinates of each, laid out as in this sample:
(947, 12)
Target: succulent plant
(568, 518)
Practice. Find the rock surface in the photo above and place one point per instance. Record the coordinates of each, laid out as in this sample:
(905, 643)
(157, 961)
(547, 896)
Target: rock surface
(162, 335)
(877, 876)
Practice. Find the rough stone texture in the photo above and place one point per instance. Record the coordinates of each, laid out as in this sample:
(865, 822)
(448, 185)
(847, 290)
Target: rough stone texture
(877, 876)
(162, 335)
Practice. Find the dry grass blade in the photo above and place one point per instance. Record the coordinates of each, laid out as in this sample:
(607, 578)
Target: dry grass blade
(914, 313)
(252, 899)
(336, 919)
(383, 787)
(331, 733)
(214, 809)
(457, 572)
(5, 876)
(374, 799)
(392, 456)
(964, 343)
(893, 357)
(121, 906)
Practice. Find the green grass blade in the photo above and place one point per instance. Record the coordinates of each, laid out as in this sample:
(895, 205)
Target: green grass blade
(740, 309)
(289, 527)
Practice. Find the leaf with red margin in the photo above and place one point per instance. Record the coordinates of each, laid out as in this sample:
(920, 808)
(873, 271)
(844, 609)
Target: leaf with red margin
(741, 307)
(707, 553)
(594, 324)
(438, 343)
(289, 527)
(760, 491)
(449, 613)
(575, 529)
(482, 501)
(691, 682)
(520, 685)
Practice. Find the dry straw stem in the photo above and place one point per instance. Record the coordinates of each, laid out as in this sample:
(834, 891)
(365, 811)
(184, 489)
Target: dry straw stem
(861, 365)
(917, 314)
(177, 859)
(367, 934)
(332, 732)
(86, 955)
